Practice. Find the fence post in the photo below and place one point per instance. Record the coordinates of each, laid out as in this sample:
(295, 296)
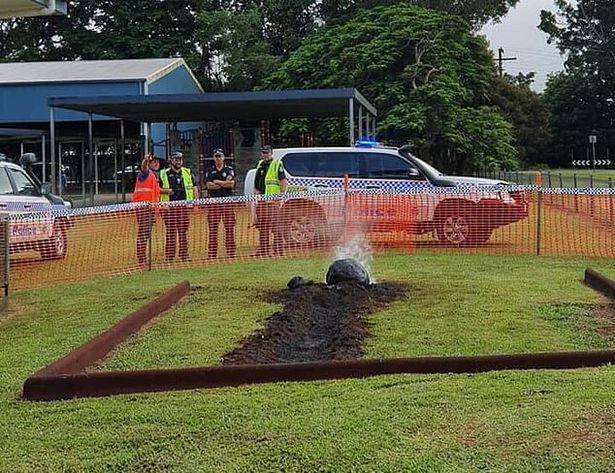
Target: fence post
(591, 197)
(7, 257)
(539, 221)
(150, 208)
(576, 194)
(611, 200)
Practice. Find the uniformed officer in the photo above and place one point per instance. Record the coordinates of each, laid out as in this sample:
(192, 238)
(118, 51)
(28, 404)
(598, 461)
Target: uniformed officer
(220, 182)
(181, 181)
(270, 179)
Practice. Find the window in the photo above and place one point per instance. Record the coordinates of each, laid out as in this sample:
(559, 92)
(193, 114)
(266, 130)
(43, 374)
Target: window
(300, 164)
(23, 184)
(337, 164)
(5, 184)
(386, 166)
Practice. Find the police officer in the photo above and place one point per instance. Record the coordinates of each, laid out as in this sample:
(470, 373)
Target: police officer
(181, 182)
(270, 179)
(220, 182)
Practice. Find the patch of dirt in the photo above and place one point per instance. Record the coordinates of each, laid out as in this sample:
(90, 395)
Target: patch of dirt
(317, 323)
(605, 316)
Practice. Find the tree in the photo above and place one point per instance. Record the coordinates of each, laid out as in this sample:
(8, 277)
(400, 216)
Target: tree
(582, 98)
(425, 71)
(529, 115)
(477, 12)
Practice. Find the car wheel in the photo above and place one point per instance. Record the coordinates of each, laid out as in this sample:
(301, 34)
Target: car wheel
(461, 229)
(304, 229)
(56, 247)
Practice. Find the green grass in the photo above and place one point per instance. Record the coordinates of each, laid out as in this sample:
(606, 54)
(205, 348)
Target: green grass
(458, 304)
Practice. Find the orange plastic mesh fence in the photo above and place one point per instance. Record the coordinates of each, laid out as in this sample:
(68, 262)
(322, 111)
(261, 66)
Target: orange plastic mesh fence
(75, 245)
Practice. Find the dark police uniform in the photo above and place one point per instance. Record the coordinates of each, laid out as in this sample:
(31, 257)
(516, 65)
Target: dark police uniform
(221, 211)
(267, 213)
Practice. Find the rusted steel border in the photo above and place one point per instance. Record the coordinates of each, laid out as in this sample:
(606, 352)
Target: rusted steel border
(53, 387)
(600, 283)
(99, 347)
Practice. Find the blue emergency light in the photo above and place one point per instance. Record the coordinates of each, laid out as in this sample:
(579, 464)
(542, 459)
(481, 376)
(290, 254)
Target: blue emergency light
(367, 144)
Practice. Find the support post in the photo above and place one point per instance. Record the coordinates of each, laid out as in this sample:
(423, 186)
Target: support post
(91, 157)
(7, 256)
(83, 171)
(52, 136)
(60, 190)
(539, 221)
(115, 189)
(351, 121)
(44, 157)
(360, 122)
(123, 158)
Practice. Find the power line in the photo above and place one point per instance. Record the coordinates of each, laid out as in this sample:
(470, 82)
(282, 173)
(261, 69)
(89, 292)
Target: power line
(501, 60)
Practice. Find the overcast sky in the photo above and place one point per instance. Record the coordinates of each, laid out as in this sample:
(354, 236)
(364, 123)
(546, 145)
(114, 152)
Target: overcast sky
(520, 37)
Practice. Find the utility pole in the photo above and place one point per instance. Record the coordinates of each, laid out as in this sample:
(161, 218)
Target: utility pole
(501, 60)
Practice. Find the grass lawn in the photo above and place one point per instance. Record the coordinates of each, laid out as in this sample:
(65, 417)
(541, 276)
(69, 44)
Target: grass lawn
(458, 304)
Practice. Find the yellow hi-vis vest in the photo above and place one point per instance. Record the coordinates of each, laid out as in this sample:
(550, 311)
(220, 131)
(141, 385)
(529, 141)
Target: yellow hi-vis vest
(272, 183)
(188, 185)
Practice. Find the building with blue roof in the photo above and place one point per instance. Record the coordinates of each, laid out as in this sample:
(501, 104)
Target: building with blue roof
(26, 87)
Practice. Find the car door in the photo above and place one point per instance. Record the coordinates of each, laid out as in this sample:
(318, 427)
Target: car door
(25, 199)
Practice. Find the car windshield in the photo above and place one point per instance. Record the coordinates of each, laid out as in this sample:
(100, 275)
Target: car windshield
(422, 164)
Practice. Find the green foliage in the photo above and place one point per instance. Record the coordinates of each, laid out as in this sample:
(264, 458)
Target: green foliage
(430, 88)
(582, 98)
(477, 12)
(526, 111)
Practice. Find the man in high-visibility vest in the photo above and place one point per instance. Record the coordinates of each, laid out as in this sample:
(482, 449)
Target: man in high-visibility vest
(182, 183)
(147, 189)
(270, 179)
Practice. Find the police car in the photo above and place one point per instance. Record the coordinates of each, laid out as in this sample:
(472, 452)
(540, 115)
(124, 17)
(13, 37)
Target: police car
(36, 223)
(458, 218)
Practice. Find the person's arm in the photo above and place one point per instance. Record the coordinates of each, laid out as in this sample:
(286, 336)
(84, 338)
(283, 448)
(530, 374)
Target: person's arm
(210, 184)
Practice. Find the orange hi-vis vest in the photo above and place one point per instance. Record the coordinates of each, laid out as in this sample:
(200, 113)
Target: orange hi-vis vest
(148, 190)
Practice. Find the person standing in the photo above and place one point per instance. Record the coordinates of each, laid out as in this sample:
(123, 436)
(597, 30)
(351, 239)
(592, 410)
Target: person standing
(270, 179)
(147, 189)
(180, 181)
(220, 182)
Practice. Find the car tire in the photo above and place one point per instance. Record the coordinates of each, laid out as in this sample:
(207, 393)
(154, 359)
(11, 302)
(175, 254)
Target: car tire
(461, 228)
(55, 247)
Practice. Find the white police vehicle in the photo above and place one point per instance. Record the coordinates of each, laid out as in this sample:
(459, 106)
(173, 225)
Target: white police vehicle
(33, 224)
(458, 218)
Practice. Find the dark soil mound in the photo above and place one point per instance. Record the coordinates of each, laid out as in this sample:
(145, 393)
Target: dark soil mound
(318, 322)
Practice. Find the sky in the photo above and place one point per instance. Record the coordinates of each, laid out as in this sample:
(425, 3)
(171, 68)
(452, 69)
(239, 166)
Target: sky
(520, 37)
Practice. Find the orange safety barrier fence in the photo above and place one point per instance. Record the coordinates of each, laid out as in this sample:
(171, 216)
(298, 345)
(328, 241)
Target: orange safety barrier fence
(49, 247)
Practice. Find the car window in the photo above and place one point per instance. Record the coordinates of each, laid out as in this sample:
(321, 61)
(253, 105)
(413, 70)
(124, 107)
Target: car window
(385, 166)
(6, 187)
(23, 184)
(300, 164)
(337, 164)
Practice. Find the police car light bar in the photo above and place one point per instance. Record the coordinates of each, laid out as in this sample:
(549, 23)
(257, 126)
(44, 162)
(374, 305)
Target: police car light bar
(367, 144)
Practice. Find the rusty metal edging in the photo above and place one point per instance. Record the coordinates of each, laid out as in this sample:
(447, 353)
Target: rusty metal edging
(55, 387)
(600, 283)
(99, 347)
(64, 379)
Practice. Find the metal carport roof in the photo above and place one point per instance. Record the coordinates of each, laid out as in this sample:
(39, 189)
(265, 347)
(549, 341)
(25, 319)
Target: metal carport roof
(259, 105)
